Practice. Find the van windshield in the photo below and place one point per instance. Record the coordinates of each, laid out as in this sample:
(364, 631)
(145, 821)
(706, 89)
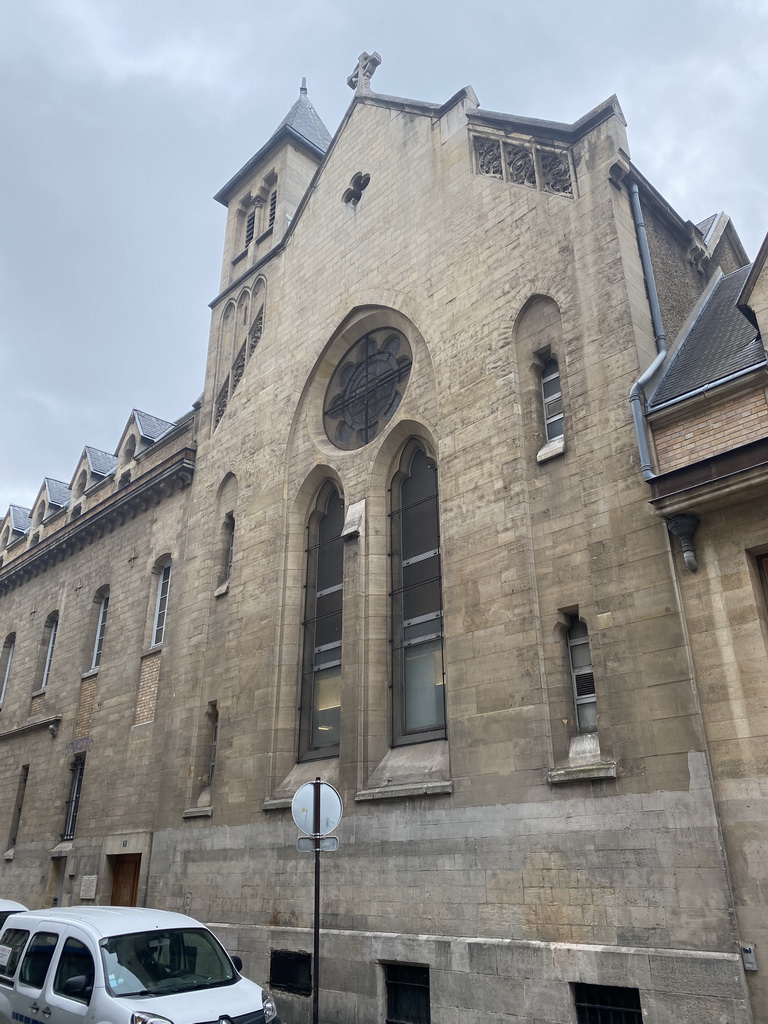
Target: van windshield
(164, 962)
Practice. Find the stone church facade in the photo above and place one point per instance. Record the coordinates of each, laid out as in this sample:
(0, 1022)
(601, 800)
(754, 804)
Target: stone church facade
(415, 539)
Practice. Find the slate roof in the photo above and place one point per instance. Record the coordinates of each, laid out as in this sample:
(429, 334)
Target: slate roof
(151, 427)
(706, 225)
(101, 463)
(301, 122)
(58, 492)
(304, 119)
(20, 518)
(721, 342)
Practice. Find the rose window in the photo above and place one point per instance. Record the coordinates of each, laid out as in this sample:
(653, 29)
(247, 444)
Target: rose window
(366, 388)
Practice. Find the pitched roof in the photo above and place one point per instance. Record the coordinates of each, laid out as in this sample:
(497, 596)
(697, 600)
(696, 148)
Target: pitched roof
(101, 463)
(20, 518)
(151, 427)
(705, 225)
(302, 123)
(58, 492)
(304, 119)
(721, 342)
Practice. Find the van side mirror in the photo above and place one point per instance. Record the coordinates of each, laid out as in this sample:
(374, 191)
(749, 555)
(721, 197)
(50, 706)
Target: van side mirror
(237, 962)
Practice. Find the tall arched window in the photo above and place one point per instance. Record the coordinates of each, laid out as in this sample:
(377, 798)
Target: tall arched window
(163, 578)
(50, 630)
(6, 660)
(418, 701)
(101, 600)
(321, 676)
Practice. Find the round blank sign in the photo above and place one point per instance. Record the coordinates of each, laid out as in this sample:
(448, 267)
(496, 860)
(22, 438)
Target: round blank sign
(303, 809)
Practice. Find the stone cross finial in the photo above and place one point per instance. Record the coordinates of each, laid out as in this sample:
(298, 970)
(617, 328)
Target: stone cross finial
(360, 79)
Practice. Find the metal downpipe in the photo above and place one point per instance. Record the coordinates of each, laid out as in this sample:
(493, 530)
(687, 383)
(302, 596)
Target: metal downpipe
(636, 394)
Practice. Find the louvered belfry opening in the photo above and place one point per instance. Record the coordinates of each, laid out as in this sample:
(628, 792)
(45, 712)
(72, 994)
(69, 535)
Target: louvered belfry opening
(582, 675)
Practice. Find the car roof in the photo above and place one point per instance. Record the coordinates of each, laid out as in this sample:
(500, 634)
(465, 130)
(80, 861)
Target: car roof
(11, 905)
(105, 921)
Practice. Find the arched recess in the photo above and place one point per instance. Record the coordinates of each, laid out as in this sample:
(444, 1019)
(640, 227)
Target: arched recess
(538, 333)
(226, 518)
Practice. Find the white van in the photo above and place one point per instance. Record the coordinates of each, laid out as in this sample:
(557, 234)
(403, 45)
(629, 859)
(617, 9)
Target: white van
(8, 907)
(121, 965)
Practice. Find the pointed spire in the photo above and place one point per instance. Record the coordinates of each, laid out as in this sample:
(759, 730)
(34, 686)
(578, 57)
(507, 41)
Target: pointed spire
(305, 120)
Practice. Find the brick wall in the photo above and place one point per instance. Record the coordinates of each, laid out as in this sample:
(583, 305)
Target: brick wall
(712, 430)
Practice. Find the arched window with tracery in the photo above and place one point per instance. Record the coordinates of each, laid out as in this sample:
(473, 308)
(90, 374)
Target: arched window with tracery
(418, 699)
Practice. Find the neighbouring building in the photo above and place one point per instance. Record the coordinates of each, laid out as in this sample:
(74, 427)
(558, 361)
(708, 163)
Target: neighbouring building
(468, 522)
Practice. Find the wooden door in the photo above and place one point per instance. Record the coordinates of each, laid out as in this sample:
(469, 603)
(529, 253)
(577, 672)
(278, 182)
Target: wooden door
(125, 879)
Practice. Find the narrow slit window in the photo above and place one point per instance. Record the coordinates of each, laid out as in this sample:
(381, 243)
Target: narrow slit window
(6, 661)
(73, 805)
(101, 629)
(552, 398)
(49, 642)
(582, 675)
(161, 606)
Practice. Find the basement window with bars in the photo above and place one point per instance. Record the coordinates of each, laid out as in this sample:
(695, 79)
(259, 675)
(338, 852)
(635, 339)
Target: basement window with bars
(407, 994)
(582, 675)
(290, 971)
(607, 1004)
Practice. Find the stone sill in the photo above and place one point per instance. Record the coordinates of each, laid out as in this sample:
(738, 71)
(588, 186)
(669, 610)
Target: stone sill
(577, 773)
(405, 789)
(222, 590)
(551, 449)
(197, 812)
(91, 672)
(40, 693)
(240, 256)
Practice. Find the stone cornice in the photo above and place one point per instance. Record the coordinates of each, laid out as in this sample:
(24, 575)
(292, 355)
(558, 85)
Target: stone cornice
(174, 473)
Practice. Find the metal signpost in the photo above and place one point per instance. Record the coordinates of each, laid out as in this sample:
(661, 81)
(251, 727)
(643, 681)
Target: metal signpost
(316, 809)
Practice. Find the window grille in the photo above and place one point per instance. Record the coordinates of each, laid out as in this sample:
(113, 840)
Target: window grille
(552, 398)
(77, 768)
(321, 683)
(417, 612)
(407, 994)
(18, 806)
(290, 972)
(607, 1004)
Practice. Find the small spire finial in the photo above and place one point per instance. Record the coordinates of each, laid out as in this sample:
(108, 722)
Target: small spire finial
(360, 79)
(303, 89)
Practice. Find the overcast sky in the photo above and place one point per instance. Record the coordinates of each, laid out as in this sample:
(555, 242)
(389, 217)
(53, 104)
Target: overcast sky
(119, 120)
